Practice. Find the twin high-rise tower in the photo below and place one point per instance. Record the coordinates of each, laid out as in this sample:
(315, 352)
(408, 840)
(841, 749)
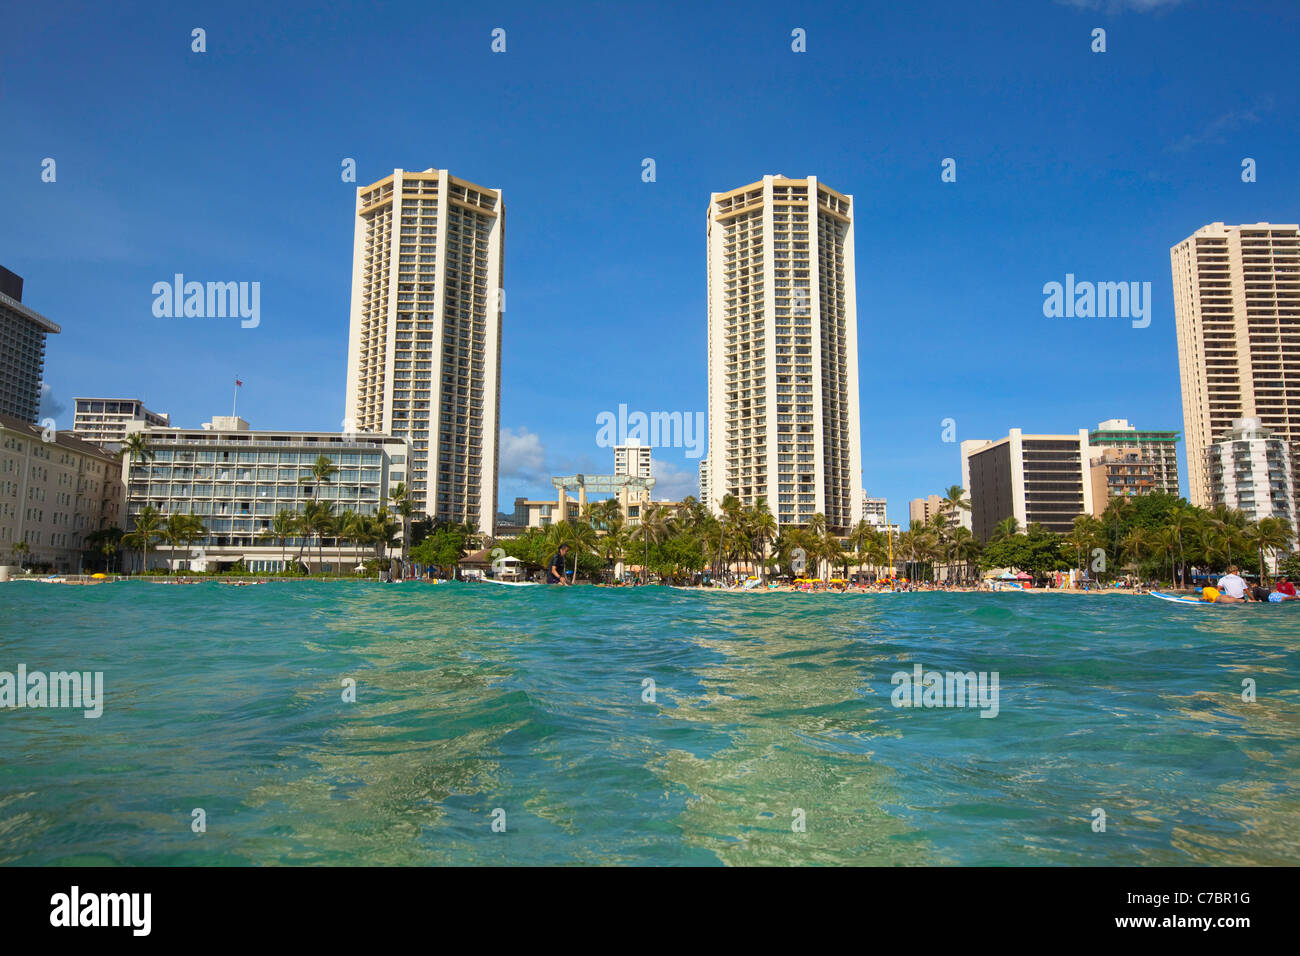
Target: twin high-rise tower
(424, 350)
(783, 352)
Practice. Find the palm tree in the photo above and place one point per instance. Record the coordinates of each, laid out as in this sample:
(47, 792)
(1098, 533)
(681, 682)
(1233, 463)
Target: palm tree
(135, 447)
(762, 526)
(816, 528)
(1135, 546)
(1006, 528)
(172, 527)
(284, 526)
(354, 527)
(180, 529)
(20, 550)
(963, 548)
(322, 471)
(148, 528)
(383, 532)
(729, 525)
(861, 538)
(400, 495)
(1083, 538)
(1164, 544)
(1181, 522)
(1267, 534)
(832, 551)
(316, 521)
(651, 530)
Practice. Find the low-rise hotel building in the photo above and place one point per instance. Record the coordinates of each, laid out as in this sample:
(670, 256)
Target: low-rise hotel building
(236, 480)
(54, 490)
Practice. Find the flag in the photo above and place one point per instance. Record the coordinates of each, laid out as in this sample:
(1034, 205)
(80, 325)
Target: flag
(238, 382)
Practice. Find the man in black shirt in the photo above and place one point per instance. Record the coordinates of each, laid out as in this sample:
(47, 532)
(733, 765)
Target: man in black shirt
(555, 573)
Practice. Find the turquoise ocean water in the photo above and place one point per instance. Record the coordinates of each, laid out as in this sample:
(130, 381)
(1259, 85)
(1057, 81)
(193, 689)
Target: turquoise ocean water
(473, 698)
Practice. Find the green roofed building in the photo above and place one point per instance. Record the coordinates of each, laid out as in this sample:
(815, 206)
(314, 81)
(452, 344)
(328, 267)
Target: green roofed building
(1158, 449)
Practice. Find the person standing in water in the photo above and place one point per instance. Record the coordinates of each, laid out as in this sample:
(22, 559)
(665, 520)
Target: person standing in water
(555, 573)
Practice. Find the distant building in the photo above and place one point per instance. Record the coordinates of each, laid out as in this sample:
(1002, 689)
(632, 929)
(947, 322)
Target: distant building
(1251, 471)
(53, 493)
(873, 509)
(632, 460)
(1120, 473)
(1157, 448)
(22, 351)
(1041, 479)
(236, 479)
(110, 420)
(923, 509)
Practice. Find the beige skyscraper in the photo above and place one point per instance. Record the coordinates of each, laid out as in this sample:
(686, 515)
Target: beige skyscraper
(783, 351)
(1237, 309)
(424, 350)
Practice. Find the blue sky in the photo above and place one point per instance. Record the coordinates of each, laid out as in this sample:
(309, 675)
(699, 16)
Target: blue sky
(225, 165)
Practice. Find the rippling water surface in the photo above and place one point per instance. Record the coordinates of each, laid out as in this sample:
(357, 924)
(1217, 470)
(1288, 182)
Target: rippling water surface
(472, 698)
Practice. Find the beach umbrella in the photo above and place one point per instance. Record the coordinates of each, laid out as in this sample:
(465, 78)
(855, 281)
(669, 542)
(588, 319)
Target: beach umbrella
(1022, 576)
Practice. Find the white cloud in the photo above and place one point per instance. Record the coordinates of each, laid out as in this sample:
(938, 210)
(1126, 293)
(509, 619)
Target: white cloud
(50, 407)
(523, 459)
(672, 483)
(1213, 131)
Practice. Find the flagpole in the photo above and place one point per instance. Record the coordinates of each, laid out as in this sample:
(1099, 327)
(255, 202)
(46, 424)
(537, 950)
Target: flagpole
(235, 400)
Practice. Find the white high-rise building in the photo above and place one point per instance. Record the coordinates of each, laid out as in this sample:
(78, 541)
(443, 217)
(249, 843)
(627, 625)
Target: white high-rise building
(424, 349)
(1237, 313)
(783, 351)
(1250, 471)
(632, 460)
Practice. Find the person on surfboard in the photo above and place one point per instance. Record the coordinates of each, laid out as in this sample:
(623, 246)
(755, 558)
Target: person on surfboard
(555, 573)
(1231, 589)
(1283, 590)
